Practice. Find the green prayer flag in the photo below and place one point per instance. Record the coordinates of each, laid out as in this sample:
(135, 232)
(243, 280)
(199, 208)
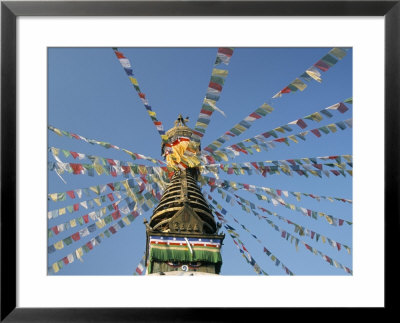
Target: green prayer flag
(67, 241)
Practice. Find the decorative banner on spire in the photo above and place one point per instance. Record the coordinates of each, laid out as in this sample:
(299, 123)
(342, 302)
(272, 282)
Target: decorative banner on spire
(316, 116)
(126, 65)
(213, 93)
(313, 73)
(103, 144)
(235, 150)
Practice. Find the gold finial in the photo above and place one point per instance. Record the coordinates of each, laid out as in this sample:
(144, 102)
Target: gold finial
(180, 122)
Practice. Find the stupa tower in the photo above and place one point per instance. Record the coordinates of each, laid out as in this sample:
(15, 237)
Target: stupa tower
(182, 236)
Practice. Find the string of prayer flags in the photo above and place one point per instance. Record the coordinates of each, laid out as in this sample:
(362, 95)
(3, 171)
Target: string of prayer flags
(313, 73)
(316, 116)
(300, 230)
(106, 145)
(328, 259)
(279, 192)
(129, 186)
(88, 204)
(126, 65)
(94, 216)
(110, 170)
(287, 236)
(56, 152)
(236, 150)
(261, 168)
(94, 242)
(100, 222)
(241, 127)
(213, 93)
(276, 201)
(275, 259)
(141, 267)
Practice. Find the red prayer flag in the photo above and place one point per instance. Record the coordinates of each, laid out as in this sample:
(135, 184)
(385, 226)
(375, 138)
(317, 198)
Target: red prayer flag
(77, 168)
(126, 169)
(76, 207)
(255, 115)
(89, 245)
(116, 215)
(65, 260)
(71, 194)
(226, 51)
(74, 154)
(119, 55)
(75, 136)
(55, 229)
(322, 66)
(76, 236)
(142, 95)
(112, 229)
(215, 86)
(86, 218)
(342, 108)
(111, 162)
(316, 132)
(301, 124)
(207, 112)
(110, 185)
(285, 90)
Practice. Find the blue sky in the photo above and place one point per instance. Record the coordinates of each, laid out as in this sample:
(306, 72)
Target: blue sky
(89, 94)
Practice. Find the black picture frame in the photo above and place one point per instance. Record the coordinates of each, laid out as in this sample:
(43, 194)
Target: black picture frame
(10, 10)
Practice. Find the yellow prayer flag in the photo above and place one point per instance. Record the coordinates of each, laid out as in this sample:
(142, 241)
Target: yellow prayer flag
(222, 155)
(79, 254)
(133, 80)
(99, 169)
(299, 84)
(219, 72)
(55, 151)
(293, 138)
(59, 245)
(280, 129)
(53, 196)
(240, 127)
(338, 52)
(151, 113)
(72, 223)
(57, 131)
(267, 108)
(329, 219)
(97, 200)
(126, 220)
(201, 124)
(61, 211)
(55, 267)
(101, 223)
(95, 189)
(314, 74)
(332, 127)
